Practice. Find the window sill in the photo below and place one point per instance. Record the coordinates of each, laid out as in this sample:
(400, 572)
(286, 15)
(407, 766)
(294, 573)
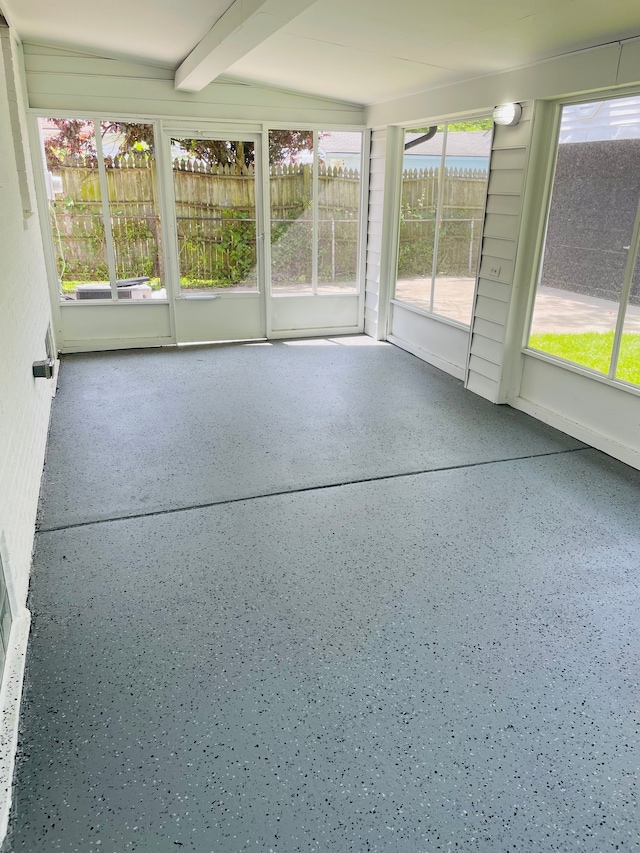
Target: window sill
(572, 367)
(432, 315)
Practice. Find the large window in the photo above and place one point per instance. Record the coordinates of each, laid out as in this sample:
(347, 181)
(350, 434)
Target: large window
(587, 302)
(444, 185)
(103, 208)
(315, 180)
(214, 184)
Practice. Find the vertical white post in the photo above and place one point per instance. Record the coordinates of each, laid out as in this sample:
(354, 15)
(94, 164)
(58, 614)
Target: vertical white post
(265, 176)
(436, 239)
(627, 283)
(333, 250)
(363, 219)
(106, 214)
(314, 210)
(394, 156)
(261, 186)
(473, 222)
(164, 174)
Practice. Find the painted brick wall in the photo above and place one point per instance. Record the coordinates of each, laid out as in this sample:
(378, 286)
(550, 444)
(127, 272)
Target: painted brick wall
(24, 318)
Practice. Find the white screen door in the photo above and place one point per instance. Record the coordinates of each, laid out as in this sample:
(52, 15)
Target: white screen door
(218, 237)
(314, 217)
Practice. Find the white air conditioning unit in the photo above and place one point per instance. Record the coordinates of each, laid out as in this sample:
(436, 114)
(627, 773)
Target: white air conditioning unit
(128, 288)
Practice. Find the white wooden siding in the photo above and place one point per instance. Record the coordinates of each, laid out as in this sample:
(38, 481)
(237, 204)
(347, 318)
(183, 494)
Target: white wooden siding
(488, 349)
(503, 205)
(489, 266)
(490, 309)
(500, 247)
(504, 181)
(494, 289)
(66, 81)
(508, 167)
(480, 385)
(491, 331)
(504, 227)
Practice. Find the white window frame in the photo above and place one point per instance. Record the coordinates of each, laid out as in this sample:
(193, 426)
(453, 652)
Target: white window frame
(446, 121)
(634, 251)
(316, 129)
(43, 202)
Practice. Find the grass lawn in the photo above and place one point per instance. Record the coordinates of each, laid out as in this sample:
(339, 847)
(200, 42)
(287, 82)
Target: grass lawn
(208, 283)
(593, 349)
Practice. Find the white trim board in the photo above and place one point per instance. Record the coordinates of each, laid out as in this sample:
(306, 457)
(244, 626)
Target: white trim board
(285, 334)
(115, 343)
(429, 357)
(604, 67)
(579, 431)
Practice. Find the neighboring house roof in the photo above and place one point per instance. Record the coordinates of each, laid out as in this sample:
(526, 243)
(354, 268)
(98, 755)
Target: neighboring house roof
(599, 121)
(340, 141)
(463, 143)
(466, 143)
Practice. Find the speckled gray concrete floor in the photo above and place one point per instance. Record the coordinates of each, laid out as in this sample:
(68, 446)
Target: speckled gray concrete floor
(153, 430)
(433, 662)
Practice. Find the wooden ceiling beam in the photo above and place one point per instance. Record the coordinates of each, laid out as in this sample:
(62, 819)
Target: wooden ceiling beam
(245, 25)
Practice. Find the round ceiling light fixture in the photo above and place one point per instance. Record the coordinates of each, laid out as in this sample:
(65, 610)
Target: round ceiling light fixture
(507, 114)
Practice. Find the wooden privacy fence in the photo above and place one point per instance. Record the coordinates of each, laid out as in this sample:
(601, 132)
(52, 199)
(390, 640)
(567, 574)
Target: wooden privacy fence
(215, 212)
(460, 227)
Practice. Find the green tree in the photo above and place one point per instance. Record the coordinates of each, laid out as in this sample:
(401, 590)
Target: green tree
(75, 136)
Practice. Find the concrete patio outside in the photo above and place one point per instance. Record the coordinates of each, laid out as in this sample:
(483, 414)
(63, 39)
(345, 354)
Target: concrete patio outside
(555, 310)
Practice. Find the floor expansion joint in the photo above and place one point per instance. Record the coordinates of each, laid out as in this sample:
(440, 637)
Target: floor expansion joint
(303, 489)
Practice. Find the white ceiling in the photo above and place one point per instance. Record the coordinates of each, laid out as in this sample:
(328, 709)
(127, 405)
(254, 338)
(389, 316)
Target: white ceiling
(163, 31)
(362, 51)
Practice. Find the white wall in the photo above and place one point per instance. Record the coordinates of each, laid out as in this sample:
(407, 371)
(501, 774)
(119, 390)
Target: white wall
(24, 401)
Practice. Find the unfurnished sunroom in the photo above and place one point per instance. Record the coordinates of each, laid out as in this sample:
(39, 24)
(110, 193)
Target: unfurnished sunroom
(278, 171)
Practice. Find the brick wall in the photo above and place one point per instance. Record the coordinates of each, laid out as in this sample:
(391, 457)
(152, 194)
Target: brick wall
(593, 208)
